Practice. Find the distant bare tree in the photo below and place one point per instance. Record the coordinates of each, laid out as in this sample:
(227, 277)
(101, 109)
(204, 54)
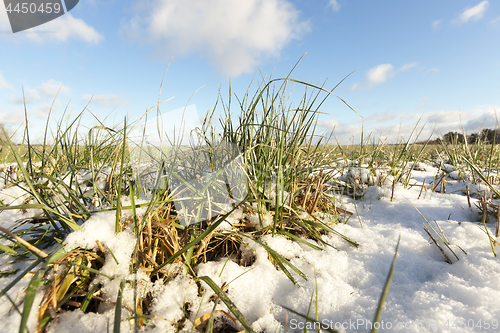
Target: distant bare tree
(486, 135)
(473, 138)
(453, 137)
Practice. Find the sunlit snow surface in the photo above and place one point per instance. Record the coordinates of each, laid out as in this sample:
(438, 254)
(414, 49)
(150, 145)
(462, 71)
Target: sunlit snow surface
(427, 294)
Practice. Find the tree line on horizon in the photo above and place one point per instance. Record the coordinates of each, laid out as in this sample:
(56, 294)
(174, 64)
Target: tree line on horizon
(486, 135)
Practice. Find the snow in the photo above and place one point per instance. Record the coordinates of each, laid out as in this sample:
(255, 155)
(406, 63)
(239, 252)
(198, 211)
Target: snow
(13, 195)
(427, 294)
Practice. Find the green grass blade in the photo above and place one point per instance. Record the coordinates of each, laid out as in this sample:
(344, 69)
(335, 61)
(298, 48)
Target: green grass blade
(7, 249)
(20, 276)
(480, 174)
(490, 239)
(29, 299)
(118, 309)
(285, 233)
(194, 242)
(385, 292)
(323, 226)
(120, 178)
(29, 180)
(230, 305)
(58, 253)
(437, 234)
(309, 319)
(88, 298)
(309, 310)
(280, 261)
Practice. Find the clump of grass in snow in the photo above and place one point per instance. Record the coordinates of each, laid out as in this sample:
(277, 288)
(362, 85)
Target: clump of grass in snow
(289, 176)
(73, 177)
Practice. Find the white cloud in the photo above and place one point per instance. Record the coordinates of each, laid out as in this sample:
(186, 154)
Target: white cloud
(64, 28)
(42, 111)
(495, 20)
(485, 116)
(381, 118)
(15, 117)
(447, 118)
(39, 111)
(428, 103)
(436, 24)
(331, 123)
(393, 128)
(61, 29)
(375, 76)
(45, 91)
(106, 100)
(474, 13)
(176, 124)
(234, 35)
(3, 83)
(379, 74)
(50, 88)
(334, 4)
(406, 67)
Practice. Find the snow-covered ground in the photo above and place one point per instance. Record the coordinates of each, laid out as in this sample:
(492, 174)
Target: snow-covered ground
(427, 293)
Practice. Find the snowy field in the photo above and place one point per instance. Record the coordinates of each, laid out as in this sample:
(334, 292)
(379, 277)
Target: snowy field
(344, 283)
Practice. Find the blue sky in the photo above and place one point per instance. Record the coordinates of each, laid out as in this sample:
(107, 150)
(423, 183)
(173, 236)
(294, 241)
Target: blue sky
(434, 60)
